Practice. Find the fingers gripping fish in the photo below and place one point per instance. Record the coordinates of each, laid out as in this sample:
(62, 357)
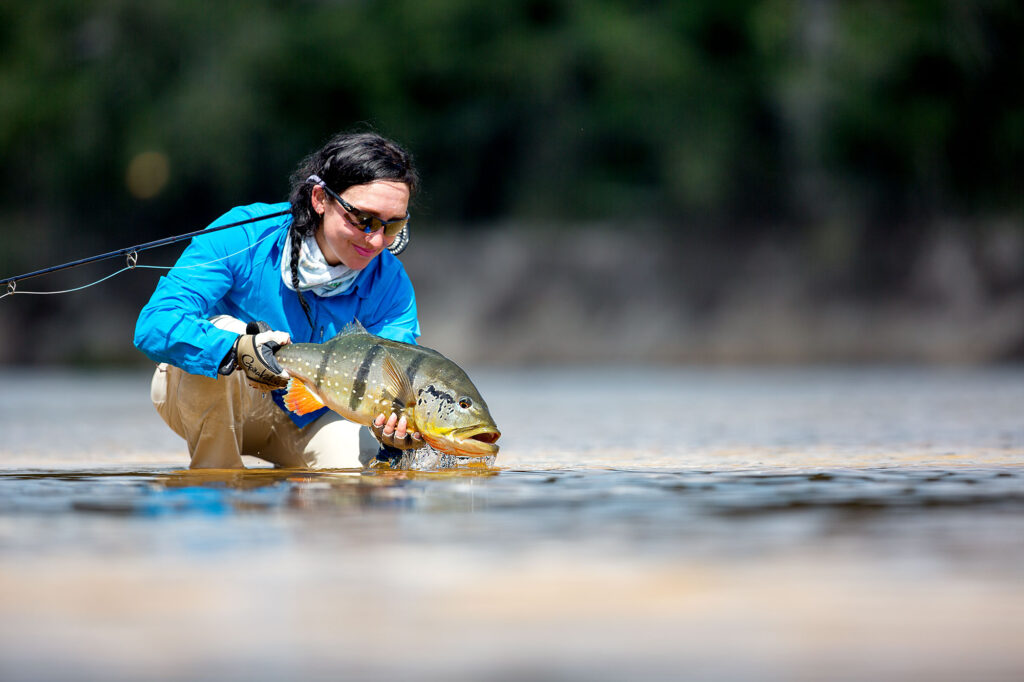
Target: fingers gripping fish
(359, 376)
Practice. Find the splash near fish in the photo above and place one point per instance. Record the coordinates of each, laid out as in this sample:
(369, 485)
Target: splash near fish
(360, 375)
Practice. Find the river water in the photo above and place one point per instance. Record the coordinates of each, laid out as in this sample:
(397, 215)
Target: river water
(640, 523)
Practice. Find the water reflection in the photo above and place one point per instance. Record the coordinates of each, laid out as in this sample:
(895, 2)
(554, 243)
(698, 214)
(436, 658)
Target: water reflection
(217, 492)
(634, 493)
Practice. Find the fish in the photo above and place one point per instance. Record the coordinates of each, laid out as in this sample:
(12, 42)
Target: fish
(360, 375)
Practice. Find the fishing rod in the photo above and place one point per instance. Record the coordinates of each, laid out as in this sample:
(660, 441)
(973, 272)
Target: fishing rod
(131, 253)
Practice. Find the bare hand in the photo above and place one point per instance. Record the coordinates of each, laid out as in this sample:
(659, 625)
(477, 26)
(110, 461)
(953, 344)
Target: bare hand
(393, 432)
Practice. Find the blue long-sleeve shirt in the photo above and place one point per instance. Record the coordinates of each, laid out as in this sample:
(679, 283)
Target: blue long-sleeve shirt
(237, 272)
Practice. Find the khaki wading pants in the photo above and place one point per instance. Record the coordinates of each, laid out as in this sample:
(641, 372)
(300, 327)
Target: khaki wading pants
(224, 418)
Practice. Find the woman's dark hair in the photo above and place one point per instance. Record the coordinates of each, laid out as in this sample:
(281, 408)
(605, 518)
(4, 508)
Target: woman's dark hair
(347, 159)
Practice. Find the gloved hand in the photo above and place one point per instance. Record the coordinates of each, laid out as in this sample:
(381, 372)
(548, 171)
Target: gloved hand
(393, 433)
(254, 354)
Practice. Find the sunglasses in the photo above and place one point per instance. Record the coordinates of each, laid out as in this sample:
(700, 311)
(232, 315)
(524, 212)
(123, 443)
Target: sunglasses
(369, 223)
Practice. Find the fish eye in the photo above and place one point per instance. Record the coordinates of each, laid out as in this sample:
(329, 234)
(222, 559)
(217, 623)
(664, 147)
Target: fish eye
(465, 403)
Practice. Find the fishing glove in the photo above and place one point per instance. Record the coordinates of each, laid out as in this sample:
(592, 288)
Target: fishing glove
(253, 353)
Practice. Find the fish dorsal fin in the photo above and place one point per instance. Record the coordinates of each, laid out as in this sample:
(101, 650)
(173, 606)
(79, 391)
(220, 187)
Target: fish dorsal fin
(353, 327)
(396, 382)
(300, 400)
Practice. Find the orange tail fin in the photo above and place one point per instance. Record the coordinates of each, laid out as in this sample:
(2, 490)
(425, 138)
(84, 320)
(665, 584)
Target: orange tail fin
(300, 400)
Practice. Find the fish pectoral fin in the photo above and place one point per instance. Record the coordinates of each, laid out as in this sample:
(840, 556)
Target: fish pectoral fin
(300, 400)
(396, 382)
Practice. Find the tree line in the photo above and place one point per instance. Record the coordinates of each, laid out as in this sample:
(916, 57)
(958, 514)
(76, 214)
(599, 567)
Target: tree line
(851, 125)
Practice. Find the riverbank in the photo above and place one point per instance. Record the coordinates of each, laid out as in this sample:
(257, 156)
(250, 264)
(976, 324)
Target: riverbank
(593, 295)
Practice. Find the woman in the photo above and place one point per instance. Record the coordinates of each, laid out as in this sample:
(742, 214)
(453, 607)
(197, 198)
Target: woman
(303, 269)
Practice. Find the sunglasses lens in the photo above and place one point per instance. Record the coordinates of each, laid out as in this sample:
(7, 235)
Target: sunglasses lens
(391, 229)
(371, 224)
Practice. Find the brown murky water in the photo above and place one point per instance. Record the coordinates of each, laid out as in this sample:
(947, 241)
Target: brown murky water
(640, 524)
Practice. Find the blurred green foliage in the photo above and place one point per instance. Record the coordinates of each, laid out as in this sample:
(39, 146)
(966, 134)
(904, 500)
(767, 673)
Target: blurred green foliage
(839, 119)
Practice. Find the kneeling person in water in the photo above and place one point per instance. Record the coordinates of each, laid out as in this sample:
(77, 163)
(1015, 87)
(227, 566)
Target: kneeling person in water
(305, 273)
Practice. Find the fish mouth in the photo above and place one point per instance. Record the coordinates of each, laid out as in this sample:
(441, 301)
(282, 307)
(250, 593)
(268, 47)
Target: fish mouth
(475, 441)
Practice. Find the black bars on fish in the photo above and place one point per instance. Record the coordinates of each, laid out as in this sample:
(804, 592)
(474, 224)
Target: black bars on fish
(130, 252)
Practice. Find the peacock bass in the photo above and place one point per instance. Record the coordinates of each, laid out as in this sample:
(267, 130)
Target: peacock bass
(360, 375)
